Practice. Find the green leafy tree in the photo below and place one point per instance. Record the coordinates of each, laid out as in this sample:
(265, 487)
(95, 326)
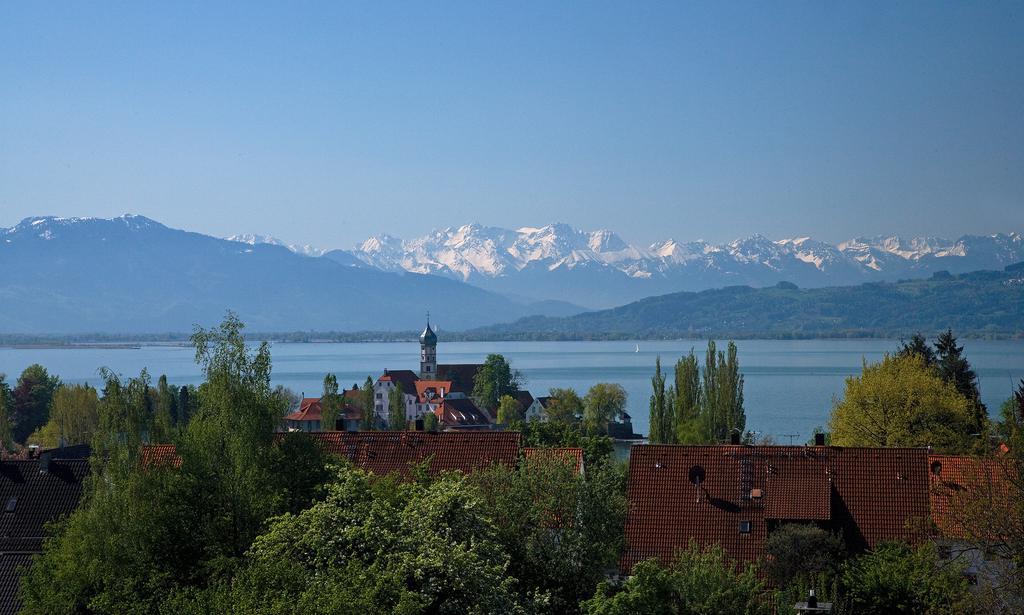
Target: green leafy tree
(367, 405)
(430, 422)
(125, 411)
(495, 379)
(687, 400)
(541, 434)
(6, 418)
(373, 547)
(145, 535)
(955, 369)
(509, 410)
(74, 417)
(396, 409)
(604, 403)
(723, 393)
(562, 529)
(901, 402)
(165, 411)
(799, 552)
(660, 409)
(331, 404)
(565, 406)
(31, 399)
(1010, 427)
(895, 578)
(699, 581)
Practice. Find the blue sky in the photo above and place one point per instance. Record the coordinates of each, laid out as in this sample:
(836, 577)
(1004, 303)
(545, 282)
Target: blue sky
(327, 122)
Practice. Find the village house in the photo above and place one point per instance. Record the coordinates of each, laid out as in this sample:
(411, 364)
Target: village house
(309, 415)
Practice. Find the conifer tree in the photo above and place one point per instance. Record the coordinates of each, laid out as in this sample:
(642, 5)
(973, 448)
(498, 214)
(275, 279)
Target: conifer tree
(918, 346)
(954, 369)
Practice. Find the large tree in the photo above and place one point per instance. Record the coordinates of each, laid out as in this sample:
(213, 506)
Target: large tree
(604, 403)
(896, 578)
(562, 529)
(31, 399)
(660, 409)
(331, 404)
(564, 406)
(955, 369)
(143, 534)
(901, 402)
(509, 410)
(6, 415)
(495, 379)
(372, 547)
(396, 409)
(723, 393)
(165, 414)
(367, 405)
(699, 580)
(687, 397)
(74, 417)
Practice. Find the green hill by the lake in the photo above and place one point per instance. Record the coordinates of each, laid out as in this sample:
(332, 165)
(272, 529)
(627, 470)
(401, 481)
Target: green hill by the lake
(981, 303)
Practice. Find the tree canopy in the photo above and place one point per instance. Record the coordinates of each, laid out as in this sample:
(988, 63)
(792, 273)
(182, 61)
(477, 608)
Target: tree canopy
(899, 401)
(495, 379)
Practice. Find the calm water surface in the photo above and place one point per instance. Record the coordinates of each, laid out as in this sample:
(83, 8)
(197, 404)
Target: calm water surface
(789, 384)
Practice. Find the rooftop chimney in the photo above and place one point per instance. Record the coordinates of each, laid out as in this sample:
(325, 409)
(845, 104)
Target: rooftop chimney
(419, 424)
(734, 438)
(812, 600)
(819, 439)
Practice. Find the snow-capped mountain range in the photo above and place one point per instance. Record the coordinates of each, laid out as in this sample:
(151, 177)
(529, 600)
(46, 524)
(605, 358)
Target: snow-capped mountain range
(600, 269)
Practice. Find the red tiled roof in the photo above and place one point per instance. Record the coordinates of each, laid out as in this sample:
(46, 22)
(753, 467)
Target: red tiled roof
(384, 452)
(407, 378)
(703, 493)
(461, 375)
(567, 454)
(310, 409)
(954, 476)
(430, 390)
(160, 455)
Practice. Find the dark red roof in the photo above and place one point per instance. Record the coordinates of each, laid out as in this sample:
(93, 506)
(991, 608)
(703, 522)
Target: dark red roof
(407, 378)
(462, 375)
(384, 452)
(730, 495)
(310, 409)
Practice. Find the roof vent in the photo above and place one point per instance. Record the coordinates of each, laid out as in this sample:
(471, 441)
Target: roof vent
(936, 467)
(696, 475)
(756, 494)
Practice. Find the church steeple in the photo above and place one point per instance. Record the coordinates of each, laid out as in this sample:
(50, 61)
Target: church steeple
(428, 352)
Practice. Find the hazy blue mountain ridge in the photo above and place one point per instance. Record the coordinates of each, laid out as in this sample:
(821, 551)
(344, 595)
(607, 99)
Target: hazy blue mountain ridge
(132, 274)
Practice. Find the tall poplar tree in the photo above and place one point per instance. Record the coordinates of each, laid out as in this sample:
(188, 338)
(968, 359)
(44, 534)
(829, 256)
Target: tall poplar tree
(368, 406)
(396, 409)
(661, 419)
(723, 393)
(331, 404)
(687, 398)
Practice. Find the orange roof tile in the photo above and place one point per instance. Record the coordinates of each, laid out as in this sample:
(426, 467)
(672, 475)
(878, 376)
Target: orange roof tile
(954, 476)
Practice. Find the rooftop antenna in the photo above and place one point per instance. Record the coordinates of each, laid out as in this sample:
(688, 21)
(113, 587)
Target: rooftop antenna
(790, 436)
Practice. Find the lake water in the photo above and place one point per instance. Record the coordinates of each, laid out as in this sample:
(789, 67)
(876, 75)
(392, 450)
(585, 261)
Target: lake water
(789, 384)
